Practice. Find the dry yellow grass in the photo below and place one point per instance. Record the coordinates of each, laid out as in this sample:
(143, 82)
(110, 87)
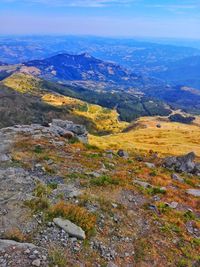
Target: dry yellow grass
(106, 120)
(171, 138)
(23, 83)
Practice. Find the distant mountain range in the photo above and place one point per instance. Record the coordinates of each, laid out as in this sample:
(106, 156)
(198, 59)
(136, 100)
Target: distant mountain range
(100, 82)
(83, 67)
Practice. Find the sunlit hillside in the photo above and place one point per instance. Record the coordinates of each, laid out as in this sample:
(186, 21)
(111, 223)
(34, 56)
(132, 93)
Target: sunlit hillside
(23, 83)
(152, 133)
(105, 120)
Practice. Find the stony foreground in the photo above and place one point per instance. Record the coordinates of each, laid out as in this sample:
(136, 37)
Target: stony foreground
(64, 202)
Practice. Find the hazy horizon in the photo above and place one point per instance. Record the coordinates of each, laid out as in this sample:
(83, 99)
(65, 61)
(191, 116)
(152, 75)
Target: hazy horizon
(107, 18)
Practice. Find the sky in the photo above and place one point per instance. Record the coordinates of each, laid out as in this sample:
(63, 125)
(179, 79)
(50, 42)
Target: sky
(130, 18)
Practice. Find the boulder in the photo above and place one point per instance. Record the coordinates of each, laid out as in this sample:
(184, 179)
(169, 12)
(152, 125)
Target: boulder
(72, 229)
(182, 163)
(63, 127)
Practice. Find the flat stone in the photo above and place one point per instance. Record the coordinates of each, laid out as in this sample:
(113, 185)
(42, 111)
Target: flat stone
(176, 177)
(150, 165)
(8, 243)
(72, 229)
(173, 205)
(143, 184)
(193, 192)
(36, 263)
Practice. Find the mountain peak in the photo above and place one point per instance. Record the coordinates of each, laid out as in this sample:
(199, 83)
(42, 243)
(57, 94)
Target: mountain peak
(86, 55)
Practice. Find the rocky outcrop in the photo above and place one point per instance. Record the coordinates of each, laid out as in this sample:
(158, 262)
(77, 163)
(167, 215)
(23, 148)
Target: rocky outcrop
(8, 243)
(183, 164)
(57, 128)
(65, 128)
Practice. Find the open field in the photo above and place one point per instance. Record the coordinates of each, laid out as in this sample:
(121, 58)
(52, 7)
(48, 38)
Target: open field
(171, 138)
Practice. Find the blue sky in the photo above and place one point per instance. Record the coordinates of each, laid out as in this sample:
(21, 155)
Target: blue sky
(155, 18)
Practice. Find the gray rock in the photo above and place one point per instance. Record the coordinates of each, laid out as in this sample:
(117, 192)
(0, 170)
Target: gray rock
(150, 165)
(143, 184)
(123, 154)
(176, 177)
(68, 126)
(4, 158)
(182, 163)
(173, 205)
(36, 263)
(72, 229)
(8, 243)
(193, 192)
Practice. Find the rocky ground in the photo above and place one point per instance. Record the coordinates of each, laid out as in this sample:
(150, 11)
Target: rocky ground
(64, 202)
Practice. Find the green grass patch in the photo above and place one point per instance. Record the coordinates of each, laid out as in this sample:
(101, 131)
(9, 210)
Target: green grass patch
(104, 180)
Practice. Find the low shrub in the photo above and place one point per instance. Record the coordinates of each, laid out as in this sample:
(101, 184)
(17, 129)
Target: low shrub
(75, 214)
(15, 234)
(104, 180)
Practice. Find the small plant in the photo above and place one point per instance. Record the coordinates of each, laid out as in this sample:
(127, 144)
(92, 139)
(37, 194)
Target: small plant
(170, 228)
(95, 155)
(91, 147)
(141, 249)
(40, 202)
(15, 234)
(57, 257)
(104, 180)
(41, 190)
(53, 185)
(196, 242)
(153, 173)
(38, 149)
(189, 182)
(182, 263)
(189, 215)
(155, 190)
(74, 140)
(162, 207)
